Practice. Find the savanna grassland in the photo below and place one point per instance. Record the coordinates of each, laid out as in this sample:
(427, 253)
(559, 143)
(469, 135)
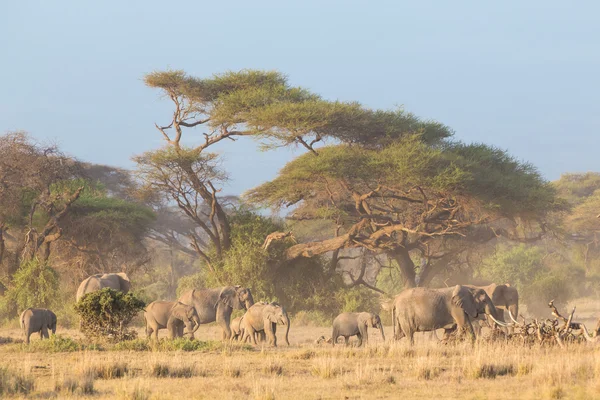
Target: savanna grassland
(139, 370)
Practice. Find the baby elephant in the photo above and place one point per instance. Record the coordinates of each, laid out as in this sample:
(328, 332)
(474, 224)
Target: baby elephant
(350, 324)
(37, 320)
(171, 315)
(237, 329)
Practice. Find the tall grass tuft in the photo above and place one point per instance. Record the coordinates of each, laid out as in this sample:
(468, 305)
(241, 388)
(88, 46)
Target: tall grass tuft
(14, 383)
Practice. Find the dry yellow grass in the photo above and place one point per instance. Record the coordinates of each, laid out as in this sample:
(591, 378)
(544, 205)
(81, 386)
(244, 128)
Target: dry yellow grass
(305, 370)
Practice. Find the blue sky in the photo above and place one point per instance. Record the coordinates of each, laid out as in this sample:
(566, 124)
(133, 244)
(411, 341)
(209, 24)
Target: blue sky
(521, 75)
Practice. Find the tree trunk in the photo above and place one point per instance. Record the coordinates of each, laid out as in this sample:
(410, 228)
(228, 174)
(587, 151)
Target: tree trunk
(2, 246)
(407, 267)
(222, 229)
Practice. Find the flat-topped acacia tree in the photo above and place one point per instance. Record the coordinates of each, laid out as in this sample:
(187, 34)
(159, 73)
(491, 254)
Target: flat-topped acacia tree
(387, 180)
(260, 104)
(408, 198)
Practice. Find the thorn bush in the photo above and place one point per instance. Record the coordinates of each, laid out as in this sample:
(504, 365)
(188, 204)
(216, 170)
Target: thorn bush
(106, 313)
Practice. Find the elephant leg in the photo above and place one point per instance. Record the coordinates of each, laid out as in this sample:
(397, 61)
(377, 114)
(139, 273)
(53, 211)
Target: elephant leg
(253, 335)
(149, 331)
(172, 330)
(408, 331)
(347, 340)
(334, 336)
(360, 339)
(223, 318)
(45, 332)
(180, 332)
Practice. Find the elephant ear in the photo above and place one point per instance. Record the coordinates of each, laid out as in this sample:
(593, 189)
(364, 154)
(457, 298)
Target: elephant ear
(179, 311)
(364, 319)
(463, 298)
(230, 297)
(270, 315)
(124, 282)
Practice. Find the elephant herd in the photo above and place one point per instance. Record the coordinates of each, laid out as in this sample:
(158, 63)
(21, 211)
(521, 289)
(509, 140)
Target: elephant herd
(461, 309)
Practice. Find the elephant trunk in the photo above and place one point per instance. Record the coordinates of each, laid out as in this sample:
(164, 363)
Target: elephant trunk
(381, 330)
(286, 322)
(197, 322)
(249, 301)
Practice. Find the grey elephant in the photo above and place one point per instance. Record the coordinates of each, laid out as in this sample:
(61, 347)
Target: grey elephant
(118, 281)
(422, 310)
(505, 299)
(236, 328)
(355, 324)
(263, 318)
(37, 320)
(218, 304)
(171, 315)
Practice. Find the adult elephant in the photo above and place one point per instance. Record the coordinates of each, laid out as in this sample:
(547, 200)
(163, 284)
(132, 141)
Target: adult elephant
(264, 317)
(505, 299)
(118, 281)
(423, 309)
(218, 304)
(171, 315)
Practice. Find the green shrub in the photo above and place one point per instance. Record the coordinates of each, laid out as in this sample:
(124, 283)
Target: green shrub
(55, 344)
(358, 299)
(106, 313)
(35, 284)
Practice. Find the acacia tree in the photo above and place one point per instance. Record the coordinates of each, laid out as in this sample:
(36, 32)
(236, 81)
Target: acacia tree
(409, 198)
(246, 103)
(387, 180)
(28, 172)
(50, 210)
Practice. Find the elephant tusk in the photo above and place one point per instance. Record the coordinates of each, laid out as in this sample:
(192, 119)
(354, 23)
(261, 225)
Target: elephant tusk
(511, 317)
(498, 322)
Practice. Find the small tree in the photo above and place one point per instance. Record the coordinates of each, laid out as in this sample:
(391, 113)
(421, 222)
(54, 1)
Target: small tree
(106, 313)
(35, 284)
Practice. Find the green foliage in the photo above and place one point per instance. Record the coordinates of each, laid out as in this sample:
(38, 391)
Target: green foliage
(517, 265)
(482, 173)
(191, 282)
(35, 284)
(106, 313)
(55, 344)
(524, 267)
(311, 318)
(301, 284)
(577, 187)
(358, 299)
